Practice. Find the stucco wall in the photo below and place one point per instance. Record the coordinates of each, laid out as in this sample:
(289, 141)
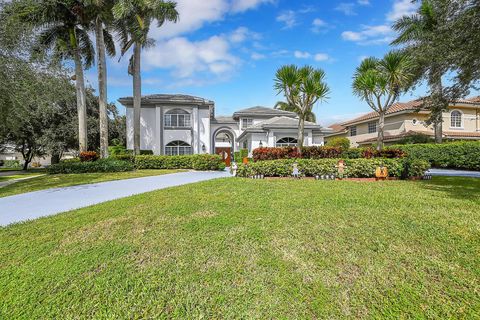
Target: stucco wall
(148, 129)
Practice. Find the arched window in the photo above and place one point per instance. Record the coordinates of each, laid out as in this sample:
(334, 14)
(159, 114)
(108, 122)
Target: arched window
(176, 148)
(456, 119)
(287, 142)
(177, 118)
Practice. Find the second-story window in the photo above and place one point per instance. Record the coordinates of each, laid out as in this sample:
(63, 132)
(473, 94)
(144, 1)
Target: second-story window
(372, 127)
(177, 118)
(247, 123)
(353, 131)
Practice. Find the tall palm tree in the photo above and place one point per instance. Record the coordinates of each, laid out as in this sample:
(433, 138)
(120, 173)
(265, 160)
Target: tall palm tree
(302, 87)
(100, 12)
(282, 105)
(417, 33)
(135, 18)
(61, 31)
(380, 83)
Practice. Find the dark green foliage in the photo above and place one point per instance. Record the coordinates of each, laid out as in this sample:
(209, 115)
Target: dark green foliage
(243, 153)
(356, 168)
(13, 164)
(416, 167)
(343, 143)
(455, 155)
(416, 139)
(197, 162)
(102, 165)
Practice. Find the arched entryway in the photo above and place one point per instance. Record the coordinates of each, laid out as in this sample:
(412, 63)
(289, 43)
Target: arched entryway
(223, 144)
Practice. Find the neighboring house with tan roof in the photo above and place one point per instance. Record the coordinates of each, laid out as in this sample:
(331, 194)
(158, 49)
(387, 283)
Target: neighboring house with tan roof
(461, 122)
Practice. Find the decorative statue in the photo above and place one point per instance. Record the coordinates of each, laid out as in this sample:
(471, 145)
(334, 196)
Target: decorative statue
(341, 166)
(381, 173)
(234, 168)
(295, 173)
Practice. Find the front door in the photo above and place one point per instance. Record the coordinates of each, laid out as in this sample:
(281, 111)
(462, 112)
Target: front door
(226, 154)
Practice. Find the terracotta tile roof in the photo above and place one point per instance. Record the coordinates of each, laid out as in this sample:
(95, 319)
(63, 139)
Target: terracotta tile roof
(337, 127)
(405, 106)
(446, 134)
(397, 107)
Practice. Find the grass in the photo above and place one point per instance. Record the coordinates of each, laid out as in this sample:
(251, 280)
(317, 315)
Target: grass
(253, 249)
(65, 180)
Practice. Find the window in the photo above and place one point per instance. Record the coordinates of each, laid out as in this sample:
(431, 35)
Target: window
(246, 123)
(176, 148)
(372, 127)
(456, 119)
(287, 142)
(353, 131)
(177, 118)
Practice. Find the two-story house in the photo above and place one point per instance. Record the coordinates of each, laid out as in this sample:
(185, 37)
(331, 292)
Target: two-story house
(460, 122)
(173, 124)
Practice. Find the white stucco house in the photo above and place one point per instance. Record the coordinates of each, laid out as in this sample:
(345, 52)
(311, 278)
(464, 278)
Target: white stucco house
(175, 124)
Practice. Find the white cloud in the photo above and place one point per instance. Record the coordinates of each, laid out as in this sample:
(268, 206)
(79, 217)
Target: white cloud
(301, 55)
(348, 8)
(381, 34)
(243, 5)
(194, 14)
(186, 58)
(370, 35)
(364, 2)
(401, 8)
(242, 34)
(257, 56)
(321, 57)
(288, 18)
(319, 25)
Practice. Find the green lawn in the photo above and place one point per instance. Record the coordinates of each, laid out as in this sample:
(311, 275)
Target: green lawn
(18, 176)
(243, 249)
(65, 180)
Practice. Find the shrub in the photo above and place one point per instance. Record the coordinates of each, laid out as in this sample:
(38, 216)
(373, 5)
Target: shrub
(390, 153)
(71, 160)
(416, 167)
(243, 153)
(89, 156)
(261, 154)
(197, 162)
(12, 164)
(455, 155)
(416, 138)
(117, 150)
(102, 165)
(237, 156)
(356, 168)
(321, 152)
(123, 157)
(343, 143)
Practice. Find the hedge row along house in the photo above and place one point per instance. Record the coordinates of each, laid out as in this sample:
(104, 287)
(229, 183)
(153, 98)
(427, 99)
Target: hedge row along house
(461, 122)
(175, 124)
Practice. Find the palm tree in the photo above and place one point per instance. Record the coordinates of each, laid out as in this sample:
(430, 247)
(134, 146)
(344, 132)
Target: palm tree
(61, 31)
(281, 105)
(102, 16)
(302, 87)
(417, 33)
(380, 83)
(134, 21)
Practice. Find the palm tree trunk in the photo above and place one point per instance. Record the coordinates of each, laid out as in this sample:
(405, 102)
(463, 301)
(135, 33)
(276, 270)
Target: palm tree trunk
(81, 102)
(137, 97)
(301, 132)
(102, 88)
(381, 133)
(438, 107)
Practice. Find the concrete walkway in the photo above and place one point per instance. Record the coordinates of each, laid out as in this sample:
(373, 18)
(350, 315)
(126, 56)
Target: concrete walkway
(48, 202)
(454, 173)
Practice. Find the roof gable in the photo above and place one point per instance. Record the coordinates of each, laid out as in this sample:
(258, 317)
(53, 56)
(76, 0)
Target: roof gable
(262, 111)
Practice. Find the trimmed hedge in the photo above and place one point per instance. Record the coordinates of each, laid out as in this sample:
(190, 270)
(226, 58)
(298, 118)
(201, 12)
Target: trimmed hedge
(322, 152)
(102, 165)
(455, 155)
(196, 162)
(356, 168)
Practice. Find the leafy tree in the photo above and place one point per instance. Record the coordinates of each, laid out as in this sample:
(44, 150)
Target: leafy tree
(281, 105)
(134, 20)
(380, 83)
(341, 142)
(418, 33)
(302, 87)
(62, 30)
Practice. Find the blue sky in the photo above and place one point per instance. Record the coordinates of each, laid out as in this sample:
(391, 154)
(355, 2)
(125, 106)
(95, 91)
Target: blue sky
(228, 50)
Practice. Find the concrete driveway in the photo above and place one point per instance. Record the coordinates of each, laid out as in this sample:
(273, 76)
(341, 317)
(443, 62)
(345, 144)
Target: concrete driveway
(454, 173)
(48, 202)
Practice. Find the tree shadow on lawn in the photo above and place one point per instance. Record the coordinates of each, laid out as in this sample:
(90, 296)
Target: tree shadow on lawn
(455, 187)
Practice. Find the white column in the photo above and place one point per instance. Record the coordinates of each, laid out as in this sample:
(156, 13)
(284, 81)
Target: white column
(158, 130)
(196, 130)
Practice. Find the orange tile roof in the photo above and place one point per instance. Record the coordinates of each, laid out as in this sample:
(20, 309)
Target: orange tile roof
(405, 106)
(337, 127)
